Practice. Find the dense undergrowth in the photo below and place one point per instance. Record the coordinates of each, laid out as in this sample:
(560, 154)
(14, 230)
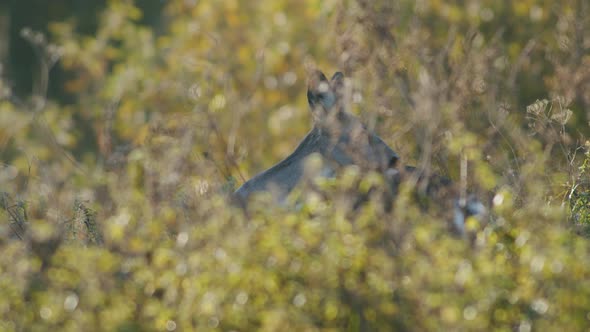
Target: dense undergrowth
(114, 211)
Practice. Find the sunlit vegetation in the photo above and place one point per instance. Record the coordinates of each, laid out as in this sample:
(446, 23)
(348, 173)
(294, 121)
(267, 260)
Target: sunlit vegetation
(113, 198)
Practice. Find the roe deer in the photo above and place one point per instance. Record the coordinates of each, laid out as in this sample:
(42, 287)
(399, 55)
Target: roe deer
(341, 139)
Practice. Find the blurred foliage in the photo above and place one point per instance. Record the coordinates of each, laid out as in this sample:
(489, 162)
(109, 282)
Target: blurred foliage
(113, 210)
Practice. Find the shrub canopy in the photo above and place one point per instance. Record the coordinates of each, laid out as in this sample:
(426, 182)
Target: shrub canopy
(113, 191)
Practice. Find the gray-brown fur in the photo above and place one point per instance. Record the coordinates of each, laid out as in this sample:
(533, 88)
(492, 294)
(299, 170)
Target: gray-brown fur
(339, 137)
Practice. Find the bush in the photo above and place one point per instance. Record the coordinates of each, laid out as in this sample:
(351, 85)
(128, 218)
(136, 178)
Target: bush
(114, 209)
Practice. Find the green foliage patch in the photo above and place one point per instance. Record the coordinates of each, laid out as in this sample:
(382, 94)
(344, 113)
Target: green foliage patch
(113, 205)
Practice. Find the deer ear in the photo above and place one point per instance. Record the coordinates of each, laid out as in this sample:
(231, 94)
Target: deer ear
(337, 83)
(338, 78)
(316, 78)
(318, 83)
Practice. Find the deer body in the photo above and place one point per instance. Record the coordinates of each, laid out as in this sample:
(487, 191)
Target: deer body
(284, 176)
(341, 139)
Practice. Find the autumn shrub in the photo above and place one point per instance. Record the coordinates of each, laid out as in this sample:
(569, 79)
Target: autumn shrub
(114, 210)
